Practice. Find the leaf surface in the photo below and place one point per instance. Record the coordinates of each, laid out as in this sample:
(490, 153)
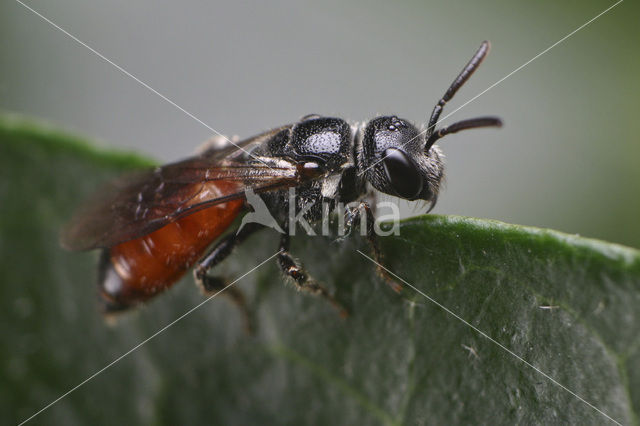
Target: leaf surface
(568, 306)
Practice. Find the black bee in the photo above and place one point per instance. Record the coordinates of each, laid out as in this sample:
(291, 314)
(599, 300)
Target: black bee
(154, 225)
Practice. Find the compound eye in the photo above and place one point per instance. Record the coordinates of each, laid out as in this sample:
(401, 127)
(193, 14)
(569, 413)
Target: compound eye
(403, 175)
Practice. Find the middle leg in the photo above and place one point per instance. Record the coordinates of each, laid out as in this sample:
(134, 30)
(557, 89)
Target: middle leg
(301, 278)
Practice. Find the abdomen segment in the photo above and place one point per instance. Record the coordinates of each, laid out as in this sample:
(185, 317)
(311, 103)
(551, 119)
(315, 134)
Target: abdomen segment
(134, 271)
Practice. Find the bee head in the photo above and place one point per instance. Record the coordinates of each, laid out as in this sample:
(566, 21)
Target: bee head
(395, 160)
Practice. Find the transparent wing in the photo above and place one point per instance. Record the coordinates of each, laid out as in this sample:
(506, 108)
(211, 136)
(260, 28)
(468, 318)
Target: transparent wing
(139, 203)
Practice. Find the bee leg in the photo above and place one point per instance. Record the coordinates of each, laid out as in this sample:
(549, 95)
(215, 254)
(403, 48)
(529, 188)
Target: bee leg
(301, 278)
(353, 217)
(212, 285)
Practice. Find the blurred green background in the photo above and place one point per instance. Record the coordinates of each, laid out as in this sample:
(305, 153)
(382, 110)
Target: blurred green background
(568, 157)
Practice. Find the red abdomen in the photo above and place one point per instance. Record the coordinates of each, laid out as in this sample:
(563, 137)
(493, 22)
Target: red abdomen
(134, 271)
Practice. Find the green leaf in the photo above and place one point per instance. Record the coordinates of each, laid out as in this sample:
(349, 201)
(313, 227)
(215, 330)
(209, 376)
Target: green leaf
(569, 306)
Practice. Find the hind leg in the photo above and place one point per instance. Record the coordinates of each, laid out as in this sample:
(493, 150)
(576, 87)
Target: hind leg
(212, 284)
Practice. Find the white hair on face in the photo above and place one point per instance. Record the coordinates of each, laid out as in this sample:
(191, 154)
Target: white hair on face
(432, 166)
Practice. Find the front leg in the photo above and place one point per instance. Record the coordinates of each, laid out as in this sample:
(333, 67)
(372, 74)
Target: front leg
(353, 217)
(301, 278)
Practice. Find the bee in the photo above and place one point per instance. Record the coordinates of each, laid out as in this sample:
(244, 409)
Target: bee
(153, 226)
